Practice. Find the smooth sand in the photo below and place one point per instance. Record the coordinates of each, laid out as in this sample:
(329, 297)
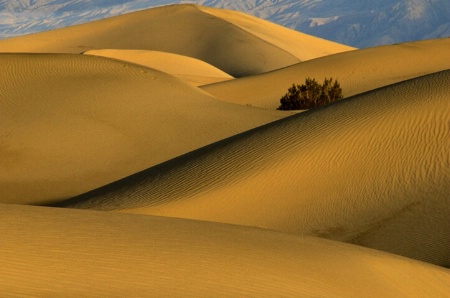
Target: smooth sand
(372, 169)
(72, 123)
(357, 71)
(187, 30)
(193, 71)
(72, 253)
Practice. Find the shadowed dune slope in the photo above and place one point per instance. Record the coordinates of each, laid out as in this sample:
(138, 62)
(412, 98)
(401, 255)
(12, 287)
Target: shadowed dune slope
(74, 253)
(72, 123)
(186, 30)
(372, 169)
(193, 71)
(357, 71)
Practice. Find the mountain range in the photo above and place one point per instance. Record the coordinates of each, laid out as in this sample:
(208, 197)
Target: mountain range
(361, 23)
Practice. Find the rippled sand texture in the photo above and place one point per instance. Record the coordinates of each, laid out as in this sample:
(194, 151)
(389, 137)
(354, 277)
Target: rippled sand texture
(71, 123)
(93, 254)
(156, 135)
(363, 170)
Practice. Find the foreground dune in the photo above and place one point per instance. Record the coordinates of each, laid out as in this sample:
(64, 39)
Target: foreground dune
(193, 71)
(357, 71)
(72, 123)
(187, 30)
(372, 170)
(54, 252)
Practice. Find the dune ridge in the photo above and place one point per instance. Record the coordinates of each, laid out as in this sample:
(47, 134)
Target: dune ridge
(191, 70)
(180, 29)
(147, 255)
(350, 171)
(72, 123)
(357, 71)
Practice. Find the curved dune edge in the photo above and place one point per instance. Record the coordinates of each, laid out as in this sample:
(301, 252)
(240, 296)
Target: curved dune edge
(48, 251)
(372, 170)
(185, 30)
(193, 71)
(303, 46)
(72, 123)
(357, 71)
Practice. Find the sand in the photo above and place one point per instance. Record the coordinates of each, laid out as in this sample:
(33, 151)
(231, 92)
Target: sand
(72, 123)
(357, 72)
(207, 190)
(185, 30)
(193, 71)
(93, 254)
(351, 171)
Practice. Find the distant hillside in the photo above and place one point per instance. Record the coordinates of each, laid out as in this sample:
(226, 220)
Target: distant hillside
(361, 23)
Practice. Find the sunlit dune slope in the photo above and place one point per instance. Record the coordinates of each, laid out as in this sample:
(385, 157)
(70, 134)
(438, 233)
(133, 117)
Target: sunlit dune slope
(193, 71)
(302, 46)
(73, 253)
(357, 71)
(72, 123)
(187, 30)
(372, 170)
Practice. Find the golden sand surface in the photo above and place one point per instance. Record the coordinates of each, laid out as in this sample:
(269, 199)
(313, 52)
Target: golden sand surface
(186, 30)
(47, 252)
(365, 169)
(162, 125)
(357, 72)
(191, 70)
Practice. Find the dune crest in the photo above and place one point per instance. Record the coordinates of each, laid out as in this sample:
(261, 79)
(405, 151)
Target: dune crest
(193, 71)
(350, 171)
(357, 71)
(154, 256)
(185, 30)
(303, 46)
(72, 123)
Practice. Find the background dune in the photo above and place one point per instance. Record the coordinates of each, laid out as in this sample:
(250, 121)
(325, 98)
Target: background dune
(357, 71)
(47, 252)
(72, 123)
(193, 71)
(372, 169)
(186, 30)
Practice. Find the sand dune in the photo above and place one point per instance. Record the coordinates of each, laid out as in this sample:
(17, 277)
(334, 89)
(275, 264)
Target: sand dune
(372, 170)
(193, 71)
(187, 30)
(72, 123)
(52, 252)
(357, 71)
(245, 195)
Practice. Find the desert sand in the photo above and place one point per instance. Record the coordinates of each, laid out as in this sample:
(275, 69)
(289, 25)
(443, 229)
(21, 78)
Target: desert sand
(357, 72)
(193, 71)
(350, 171)
(71, 123)
(95, 254)
(162, 125)
(187, 30)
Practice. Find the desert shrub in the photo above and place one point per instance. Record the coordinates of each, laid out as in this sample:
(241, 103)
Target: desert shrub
(311, 95)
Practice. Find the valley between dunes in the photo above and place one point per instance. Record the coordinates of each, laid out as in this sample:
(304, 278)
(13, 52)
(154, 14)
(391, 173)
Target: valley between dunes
(144, 155)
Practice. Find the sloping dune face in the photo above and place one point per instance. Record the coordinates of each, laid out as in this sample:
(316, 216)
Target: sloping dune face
(302, 46)
(72, 123)
(181, 29)
(193, 71)
(93, 254)
(357, 72)
(372, 170)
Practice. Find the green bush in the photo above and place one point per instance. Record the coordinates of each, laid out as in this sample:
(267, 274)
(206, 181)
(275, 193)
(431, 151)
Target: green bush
(311, 95)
